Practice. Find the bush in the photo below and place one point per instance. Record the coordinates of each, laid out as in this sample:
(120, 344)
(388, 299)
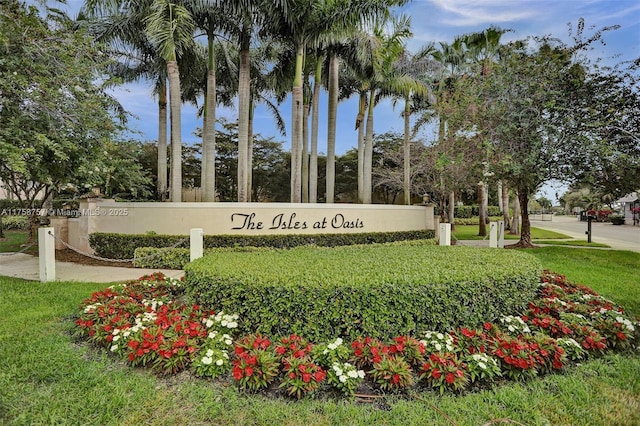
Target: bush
(14, 222)
(467, 212)
(123, 246)
(176, 258)
(376, 290)
(476, 220)
(617, 219)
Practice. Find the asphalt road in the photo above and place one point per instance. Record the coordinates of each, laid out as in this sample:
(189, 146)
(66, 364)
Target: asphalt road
(620, 237)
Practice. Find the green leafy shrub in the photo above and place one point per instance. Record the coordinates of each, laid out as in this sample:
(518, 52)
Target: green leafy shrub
(14, 222)
(468, 212)
(375, 290)
(123, 246)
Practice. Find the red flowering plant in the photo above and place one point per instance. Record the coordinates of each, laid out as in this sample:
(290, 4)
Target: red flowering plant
(410, 348)
(547, 324)
(293, 346)
(444, 371)
(618, 330)
(516, 357)
(548, 354)
(589, 338)
(392, 373)
(368, 351)
(256, 364)
(470, 341)
(301, 376)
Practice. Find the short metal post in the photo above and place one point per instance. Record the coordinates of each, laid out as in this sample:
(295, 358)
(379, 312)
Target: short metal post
(589, 218)
(196, 243)
(47, 254)
(445, 234)
(501, 234)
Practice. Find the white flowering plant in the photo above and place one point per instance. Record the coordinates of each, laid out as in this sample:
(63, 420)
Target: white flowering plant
(514, 325)
(211, 363)
(328, 354)
(434, 341)
(572, 349)
(482, 367)
(345, 377)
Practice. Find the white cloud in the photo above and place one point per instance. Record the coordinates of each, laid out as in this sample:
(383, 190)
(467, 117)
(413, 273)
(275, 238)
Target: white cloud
(475, 12)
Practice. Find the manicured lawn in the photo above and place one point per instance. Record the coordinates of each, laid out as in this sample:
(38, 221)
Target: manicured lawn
(613, 273)
(573, 243)
(470, 232)
(12, 241)
(48, 377)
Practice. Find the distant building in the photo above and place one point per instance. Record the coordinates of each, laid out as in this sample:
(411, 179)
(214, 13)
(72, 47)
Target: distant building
(627, 203)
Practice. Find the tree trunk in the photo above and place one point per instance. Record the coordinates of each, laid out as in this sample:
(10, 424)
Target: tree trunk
(515, 223)
(250, 151)
(368, 152)
(361, 128)
(485, 203)
(407, 154)
(452, 210)
(296, 128)
(315, 114)
(525, 233)
(208, 173)
(162, 141)
(334, 68)
(504, 196)
(305, 152)
(482, 228)
(244, 100)
(176, 132)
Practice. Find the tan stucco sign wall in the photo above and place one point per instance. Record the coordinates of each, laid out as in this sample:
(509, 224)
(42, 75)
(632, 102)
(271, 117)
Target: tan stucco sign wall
(98, 215)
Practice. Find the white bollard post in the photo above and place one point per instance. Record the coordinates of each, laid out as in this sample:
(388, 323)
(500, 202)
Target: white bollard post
(47, 254)
(501, 234)
(196, 243)
(445, 234)
(493, 235)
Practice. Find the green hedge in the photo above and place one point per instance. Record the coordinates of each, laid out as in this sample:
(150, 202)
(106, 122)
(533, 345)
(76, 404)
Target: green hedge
(467, 212)
(123, 246)
(374, 290)
(176, 258)
(14, 222)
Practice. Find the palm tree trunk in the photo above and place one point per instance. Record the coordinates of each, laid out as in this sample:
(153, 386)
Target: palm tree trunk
(500, 201)
(162, 140)
(305, 152)
(452, 210)
(250, 152)
(334, 67)
(360, 126)
(313, 160)
(244, 99)
(407, 155)
(482, 228)
(505, 204)
(209, 131)
(296, 128)
(368, 151)
(176, 138)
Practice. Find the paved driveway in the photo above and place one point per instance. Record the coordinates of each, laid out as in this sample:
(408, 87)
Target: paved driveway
(620, 237)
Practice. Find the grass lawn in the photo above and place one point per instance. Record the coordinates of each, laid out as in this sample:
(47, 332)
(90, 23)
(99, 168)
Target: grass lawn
(47, 377)
(470, 232)
(12, 241)
(574, 243)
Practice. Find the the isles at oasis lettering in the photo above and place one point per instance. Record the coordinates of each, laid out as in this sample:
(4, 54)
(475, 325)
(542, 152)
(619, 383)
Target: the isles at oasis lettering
(289, 221)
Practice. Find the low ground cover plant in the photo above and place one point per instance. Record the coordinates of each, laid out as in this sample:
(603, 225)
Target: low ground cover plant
(146, 323)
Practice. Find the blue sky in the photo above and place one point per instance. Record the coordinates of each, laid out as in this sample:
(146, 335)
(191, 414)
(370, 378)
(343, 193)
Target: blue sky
(432, 21)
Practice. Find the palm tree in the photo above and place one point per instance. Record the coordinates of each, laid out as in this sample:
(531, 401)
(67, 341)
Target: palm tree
(137, 59)
(170, 27)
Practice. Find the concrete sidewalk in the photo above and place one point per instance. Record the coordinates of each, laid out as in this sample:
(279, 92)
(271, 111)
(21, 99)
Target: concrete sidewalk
(27, 267)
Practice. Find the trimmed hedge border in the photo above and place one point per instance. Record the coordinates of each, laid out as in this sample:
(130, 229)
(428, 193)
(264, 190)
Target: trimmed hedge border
(376, 290)
(123, 246)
